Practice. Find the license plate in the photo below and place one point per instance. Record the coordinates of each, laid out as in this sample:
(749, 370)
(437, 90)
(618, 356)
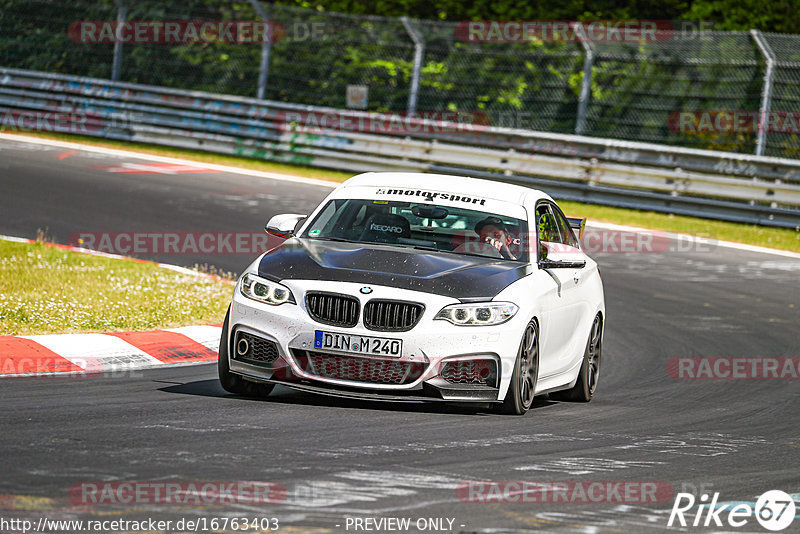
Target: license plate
(378, 346)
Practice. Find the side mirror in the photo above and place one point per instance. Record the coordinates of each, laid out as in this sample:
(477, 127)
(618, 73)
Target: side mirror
(285, 225)
(579, 225)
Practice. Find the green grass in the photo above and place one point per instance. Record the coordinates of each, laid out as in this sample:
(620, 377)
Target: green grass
(741, 233)
(720, 230)
(48, 290)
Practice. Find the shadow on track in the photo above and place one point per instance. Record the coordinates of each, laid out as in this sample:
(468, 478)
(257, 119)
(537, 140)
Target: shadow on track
(283, 395)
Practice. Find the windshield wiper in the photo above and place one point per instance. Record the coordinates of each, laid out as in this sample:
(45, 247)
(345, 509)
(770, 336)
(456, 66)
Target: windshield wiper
(423, 247)
(337, 239)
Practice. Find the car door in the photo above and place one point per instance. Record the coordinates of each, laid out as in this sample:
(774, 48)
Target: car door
(558, 335)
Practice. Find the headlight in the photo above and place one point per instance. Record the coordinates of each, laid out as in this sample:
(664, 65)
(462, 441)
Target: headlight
(263, 290)
(489, 313)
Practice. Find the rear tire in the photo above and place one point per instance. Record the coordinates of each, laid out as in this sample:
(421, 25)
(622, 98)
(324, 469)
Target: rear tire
(584, 388)
(522, 389)
(233, 383)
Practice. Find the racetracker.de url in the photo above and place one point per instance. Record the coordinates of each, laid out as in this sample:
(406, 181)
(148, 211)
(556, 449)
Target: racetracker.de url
(201, 524)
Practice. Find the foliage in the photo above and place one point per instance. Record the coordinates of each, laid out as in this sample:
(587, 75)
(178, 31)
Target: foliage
(529, 84)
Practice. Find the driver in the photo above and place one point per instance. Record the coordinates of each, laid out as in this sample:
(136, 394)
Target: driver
(493, 231)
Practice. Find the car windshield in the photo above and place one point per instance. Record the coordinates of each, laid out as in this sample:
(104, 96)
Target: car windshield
(424, 226)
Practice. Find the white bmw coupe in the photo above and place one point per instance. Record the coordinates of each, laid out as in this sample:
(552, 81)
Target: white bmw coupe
(420, 287)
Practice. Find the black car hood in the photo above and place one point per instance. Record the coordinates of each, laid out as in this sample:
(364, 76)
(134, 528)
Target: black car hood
(441, 273)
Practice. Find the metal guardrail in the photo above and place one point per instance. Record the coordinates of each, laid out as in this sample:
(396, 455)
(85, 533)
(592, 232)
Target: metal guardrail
(718, 185)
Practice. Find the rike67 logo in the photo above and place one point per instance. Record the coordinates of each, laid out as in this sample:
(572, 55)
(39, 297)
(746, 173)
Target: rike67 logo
(774, 510)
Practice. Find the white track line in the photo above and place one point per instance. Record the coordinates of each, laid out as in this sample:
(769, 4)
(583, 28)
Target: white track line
(165, 159)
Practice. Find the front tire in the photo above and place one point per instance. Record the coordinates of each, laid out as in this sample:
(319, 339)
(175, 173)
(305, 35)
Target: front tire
(233, 383)
(584, 388)
(522, 389)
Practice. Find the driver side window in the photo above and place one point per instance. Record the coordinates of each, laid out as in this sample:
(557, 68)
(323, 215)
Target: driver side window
(568, 238)
(553, 227)
(546, 225)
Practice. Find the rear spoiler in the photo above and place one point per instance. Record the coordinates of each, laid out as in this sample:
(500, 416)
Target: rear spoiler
(577, 224)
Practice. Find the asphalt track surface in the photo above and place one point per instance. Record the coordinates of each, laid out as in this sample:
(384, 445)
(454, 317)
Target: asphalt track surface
(343, 459)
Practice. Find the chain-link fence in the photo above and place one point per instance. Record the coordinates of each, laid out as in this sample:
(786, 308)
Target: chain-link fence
(785, 94)
(695, 89)
(638, 88)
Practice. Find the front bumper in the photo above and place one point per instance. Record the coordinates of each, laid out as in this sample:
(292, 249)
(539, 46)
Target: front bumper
(439, 361)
